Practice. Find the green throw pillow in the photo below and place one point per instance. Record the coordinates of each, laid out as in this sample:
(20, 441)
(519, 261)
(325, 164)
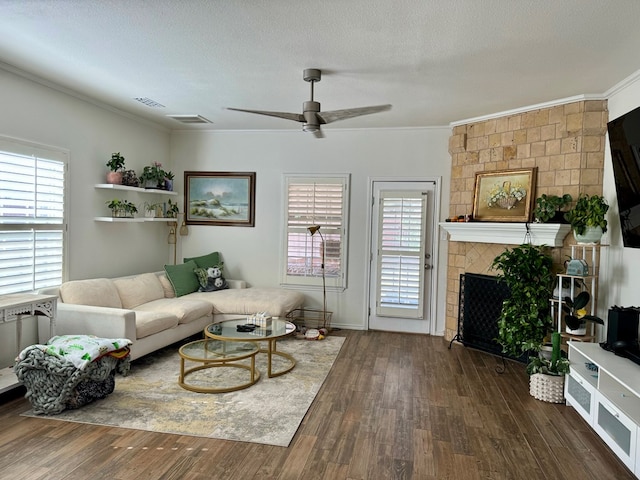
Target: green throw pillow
(206, 261)
(182, 277)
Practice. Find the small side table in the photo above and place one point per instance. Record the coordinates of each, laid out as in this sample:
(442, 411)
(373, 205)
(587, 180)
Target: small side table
(12, 308)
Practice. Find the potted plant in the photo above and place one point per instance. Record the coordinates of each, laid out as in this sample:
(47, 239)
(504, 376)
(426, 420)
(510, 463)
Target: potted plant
(525, 316)
(121, 208)
(576, 316)
(153, 176)
(150, 209)
(116, 166)
(172, 209)
(549, 208)
(546, 381)
(587, 218)
(168, 180)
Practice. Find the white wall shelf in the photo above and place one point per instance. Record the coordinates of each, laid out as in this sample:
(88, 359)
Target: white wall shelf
(155, 191)
(551, 234)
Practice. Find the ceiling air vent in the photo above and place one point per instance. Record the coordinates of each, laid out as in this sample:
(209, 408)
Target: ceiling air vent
(148, 102)
(190, 118)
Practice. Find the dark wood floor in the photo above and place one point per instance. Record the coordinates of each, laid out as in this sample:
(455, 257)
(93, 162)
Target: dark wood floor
(393, 406)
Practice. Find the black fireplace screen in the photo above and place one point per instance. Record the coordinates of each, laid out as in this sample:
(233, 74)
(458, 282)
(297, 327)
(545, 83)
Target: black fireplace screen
(480, 304)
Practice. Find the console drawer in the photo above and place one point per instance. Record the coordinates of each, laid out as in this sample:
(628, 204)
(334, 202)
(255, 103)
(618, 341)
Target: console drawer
(580, 395)
(616, 429)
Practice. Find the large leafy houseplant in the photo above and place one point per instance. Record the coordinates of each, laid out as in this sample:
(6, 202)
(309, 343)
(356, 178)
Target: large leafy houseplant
(524, 319)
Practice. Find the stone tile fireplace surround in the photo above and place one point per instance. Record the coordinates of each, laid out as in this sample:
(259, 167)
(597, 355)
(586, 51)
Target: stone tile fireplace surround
(565, 142)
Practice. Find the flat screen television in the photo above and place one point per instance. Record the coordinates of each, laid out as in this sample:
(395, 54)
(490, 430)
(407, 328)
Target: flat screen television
(624, 141)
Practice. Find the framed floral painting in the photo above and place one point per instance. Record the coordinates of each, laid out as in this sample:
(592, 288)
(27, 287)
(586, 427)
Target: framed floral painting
(504, 195)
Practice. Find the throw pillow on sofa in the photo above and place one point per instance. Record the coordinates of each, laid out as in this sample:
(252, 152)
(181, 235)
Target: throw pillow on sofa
(182, 278)
(211, 279)
(206, 261)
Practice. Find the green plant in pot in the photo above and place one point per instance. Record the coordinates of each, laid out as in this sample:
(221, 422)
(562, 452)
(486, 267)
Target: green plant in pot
(116, 166)
(525, 316)
(555, 365)
(546, 380)
(549, 208)
(588, 218)
(153, 176)
(121, 208)
(576, 315)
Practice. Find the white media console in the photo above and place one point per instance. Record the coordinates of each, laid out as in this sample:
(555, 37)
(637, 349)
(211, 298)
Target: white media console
(605, 390)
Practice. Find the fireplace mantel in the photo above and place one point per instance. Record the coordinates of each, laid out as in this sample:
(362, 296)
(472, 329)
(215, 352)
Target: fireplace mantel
(551, 234)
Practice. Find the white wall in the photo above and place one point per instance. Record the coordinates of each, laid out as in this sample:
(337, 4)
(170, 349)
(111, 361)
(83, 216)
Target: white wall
(36, 113)
(620, 287)
(254, 254)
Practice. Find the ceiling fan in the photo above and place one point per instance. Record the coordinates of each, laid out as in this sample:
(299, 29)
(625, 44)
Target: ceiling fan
(311, 116)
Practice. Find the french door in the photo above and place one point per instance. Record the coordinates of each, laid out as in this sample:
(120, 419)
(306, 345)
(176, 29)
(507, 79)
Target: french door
(401, 256)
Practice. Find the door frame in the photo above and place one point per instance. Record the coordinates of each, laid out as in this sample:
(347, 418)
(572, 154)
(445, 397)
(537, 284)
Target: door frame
(436, 325)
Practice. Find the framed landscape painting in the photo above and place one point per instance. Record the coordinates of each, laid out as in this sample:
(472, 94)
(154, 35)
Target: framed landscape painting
(504, 195)
(220, 198)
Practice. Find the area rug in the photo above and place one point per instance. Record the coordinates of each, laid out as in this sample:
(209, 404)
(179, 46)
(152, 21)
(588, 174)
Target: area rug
(270, 412)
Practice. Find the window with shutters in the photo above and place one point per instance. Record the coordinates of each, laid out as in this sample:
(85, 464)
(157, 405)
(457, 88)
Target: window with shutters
(32, 220)
(322, 201)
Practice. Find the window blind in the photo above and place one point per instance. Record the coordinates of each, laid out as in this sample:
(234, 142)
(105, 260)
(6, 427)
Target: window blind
(315, 201)
(32, 221)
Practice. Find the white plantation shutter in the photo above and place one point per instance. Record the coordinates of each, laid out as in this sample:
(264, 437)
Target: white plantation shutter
(315, 201)
(401, 254)
(32, 222)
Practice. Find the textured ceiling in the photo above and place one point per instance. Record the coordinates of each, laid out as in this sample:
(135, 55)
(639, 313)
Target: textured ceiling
(436, 61)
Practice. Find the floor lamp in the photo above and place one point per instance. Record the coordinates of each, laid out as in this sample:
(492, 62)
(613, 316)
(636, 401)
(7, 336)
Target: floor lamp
(312, 230)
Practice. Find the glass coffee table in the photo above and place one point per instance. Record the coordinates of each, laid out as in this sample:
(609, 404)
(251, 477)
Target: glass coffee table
(210, 353)
(227, 331)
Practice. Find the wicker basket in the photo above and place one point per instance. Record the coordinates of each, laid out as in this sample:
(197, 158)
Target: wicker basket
(548, 388)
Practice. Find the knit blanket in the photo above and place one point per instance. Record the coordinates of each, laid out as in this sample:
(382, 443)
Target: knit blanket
(81, 350)
(71, 371)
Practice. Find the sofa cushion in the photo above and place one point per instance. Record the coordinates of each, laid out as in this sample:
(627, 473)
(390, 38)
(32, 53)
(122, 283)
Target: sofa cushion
(182, 277)
(148, 323)
(185, 310)
(140, 289)
(99, 292)
(169, 292)
(276, 302)
(206, 261)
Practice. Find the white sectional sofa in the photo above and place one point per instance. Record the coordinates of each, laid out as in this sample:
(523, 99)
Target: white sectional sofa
(145, 309)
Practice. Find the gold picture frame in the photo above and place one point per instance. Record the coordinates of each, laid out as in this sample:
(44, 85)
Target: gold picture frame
(504, 195)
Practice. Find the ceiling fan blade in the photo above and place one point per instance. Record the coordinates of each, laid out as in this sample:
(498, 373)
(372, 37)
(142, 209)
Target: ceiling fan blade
(296, 117)
(318, 133)
(335, 115)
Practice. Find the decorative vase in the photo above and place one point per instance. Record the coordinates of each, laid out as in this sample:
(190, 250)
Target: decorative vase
(591, 235)
(168, 184)
(114, 178)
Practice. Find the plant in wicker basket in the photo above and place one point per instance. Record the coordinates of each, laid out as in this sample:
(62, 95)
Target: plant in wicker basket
(547, 375)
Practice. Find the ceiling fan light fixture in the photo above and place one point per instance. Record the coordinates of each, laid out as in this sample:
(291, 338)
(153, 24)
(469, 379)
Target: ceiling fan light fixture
(310, 128)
